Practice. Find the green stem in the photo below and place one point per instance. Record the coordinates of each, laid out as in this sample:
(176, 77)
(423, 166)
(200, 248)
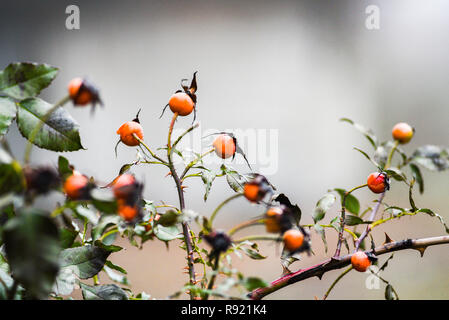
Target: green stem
(149, 150)
(214, 214)
(390, 156)
(186, 132)
(112, 231)
(39, 126)
(258, 237)
(244, 225)
(336, 281)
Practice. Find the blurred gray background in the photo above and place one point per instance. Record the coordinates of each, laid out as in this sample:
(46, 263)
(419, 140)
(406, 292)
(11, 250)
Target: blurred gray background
(295, 66)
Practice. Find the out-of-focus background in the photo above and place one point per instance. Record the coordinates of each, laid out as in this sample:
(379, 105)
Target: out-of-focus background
(294, 66)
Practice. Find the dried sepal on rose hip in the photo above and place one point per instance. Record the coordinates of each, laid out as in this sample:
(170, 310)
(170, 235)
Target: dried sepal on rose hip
(219, 241)
(296, 240)
(127, 132)
(378, 182)
(361, 261)
(40, 180)
(257, 188)
(183, 102)
(82, 92)
(78, 186)
(402, 132)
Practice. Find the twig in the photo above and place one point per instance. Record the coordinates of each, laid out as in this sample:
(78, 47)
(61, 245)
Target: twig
(245, 224)
(214, 214)
(371, 218)
(333, 264)
(342, 219)
(336, 281)
(185, 226)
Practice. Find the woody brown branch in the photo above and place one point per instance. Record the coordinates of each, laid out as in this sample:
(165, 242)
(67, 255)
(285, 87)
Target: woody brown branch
(332, 264)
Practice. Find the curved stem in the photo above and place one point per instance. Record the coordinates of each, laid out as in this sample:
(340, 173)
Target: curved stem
(39, 126)
(343, 217)
(244, 225)
(214, 214)
(149, 150)
(333, 264)
(186, 132)
(112, 231)
(258, 237)
(336, 281)
(371, 218)
(390, 156)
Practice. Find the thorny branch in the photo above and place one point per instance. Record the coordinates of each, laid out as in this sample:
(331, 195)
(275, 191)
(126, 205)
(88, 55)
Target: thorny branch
(332, 264)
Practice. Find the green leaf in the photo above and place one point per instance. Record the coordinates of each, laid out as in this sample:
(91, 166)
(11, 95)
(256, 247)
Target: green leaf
(410, 195)
(433, 214)
(252, 283)
(366, 132)
(390, 294)
(322, 206)
(60, 131)
(85, 261)
(169, 218)
(116, 277)
(431, 157)
(368, 157)
(396, 174)
(418, 177)
(351, 220)
(352, 204)
(87, 213)
(64, 167)
(104, 200)
(67, 237)
(104, 223)
(65, 282)
(320, 230)
(24, 79)
(208, 178)
(105, 292)
(32, 248)
(11, 175)
(287, 259)
(167, 233)
(234, 179)
(8, 111)
(253, 254)
(115, 267)
(380, 156)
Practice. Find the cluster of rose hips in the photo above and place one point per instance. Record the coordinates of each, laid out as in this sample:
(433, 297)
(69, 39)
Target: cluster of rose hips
(128, 192)
(278, 218)
(378, 182)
